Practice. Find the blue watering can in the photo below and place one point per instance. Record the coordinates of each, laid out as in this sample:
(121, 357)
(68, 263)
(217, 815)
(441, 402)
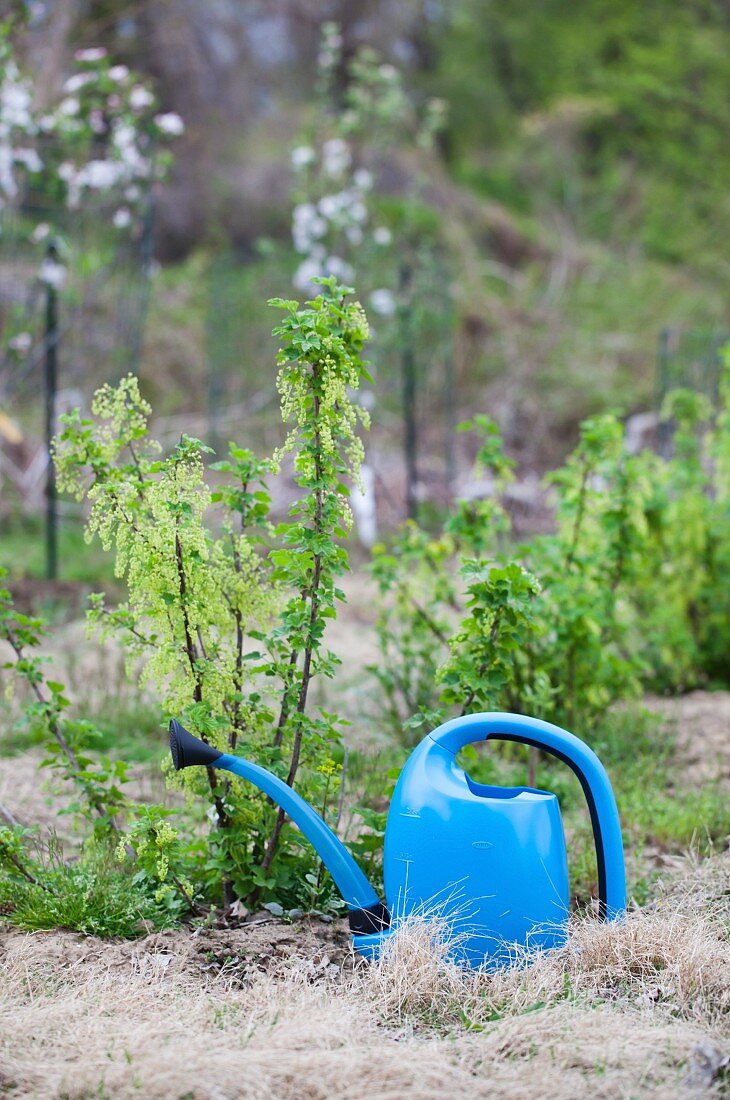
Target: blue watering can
(489, 861)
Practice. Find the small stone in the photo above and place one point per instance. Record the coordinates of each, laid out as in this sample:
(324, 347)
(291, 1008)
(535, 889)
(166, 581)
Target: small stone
(708, 1064)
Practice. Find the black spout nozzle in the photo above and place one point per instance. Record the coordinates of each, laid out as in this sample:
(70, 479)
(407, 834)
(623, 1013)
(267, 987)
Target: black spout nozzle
(188, 750)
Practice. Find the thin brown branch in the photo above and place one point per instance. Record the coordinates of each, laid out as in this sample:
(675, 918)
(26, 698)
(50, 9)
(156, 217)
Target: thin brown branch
(194, 907)
(312, 594)
(8, 816)
(190, 649)
(201, 643)
(579, 514)
(137, 465)
(193, 657)
(343, 787)
(422, 614)
(286, 700)
(126, 626)
(485, 663)
(53, 724)
(24, 872)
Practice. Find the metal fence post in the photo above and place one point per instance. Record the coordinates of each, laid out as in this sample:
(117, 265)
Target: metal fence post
(450, 421)
(50, 391)
(408, 382)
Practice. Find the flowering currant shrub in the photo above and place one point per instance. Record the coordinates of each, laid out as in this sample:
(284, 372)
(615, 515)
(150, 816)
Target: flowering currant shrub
(226, 614)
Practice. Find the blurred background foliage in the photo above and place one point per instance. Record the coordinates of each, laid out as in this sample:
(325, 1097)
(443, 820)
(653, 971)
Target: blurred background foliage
(577, 194)
(613, 110)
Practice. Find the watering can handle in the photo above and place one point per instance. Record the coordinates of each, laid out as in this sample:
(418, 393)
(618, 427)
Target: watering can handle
(454, 735)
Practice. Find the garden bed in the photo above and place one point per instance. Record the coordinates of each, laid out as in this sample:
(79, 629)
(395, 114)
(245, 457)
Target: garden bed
(283, 1010)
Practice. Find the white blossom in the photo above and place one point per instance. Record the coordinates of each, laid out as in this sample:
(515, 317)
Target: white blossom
(302, 156)
(15, 100)
(309, 269)
(303, 211)
(66, 171)
(8, 186)
(124, 136)
(388, 72)
(339, 268)
(382, 235)
(317, 227)
(69, 106)
(125, 142)
(98, 175)
(52, 273)
(140, 97)
(335, 156)
(330, 206)
(21, 343)
(119, 169)
(383, 302)
(76, 82)
(94, 53)
(96, 121)
(354, 234)
(363, 179)
(170, 123)
(29, 158)
(307, 226)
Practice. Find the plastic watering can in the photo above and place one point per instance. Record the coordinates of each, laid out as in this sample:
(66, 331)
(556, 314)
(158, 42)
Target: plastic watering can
(490, 862)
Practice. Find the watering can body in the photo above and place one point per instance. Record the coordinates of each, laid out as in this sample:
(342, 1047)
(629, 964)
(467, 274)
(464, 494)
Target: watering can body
(491, 861)
(488, 862)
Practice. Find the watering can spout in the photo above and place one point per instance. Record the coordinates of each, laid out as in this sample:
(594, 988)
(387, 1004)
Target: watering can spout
(188, 750)
(369, 918)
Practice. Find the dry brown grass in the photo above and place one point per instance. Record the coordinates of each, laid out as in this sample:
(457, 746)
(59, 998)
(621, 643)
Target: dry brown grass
(673, 964)
(639, 1009)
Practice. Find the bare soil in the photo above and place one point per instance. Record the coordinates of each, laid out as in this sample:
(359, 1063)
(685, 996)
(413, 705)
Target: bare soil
(700, 722)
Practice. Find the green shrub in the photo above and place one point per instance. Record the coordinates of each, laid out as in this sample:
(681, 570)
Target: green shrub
(631, 591)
